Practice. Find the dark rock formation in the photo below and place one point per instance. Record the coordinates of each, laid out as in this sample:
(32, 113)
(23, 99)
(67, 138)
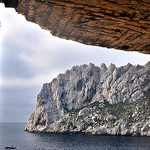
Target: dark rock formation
(119, 24)
(11, 3)
(96, 100)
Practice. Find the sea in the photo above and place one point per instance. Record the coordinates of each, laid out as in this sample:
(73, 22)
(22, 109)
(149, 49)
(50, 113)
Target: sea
(14, 134)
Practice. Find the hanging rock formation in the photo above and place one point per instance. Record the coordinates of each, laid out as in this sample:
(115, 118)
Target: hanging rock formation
(95, 100)
(119, 24)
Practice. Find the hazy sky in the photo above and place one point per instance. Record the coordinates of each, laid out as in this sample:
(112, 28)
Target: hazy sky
(30, 56)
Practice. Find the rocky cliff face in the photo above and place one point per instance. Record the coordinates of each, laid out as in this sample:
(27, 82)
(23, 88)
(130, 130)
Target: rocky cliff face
(96, 100)
(119, 24)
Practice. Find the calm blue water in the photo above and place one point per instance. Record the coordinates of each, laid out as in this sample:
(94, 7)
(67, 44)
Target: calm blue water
(14, 134)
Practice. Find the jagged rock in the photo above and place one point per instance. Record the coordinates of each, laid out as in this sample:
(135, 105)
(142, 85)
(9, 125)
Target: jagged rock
(84, 112)
(96, 100)
(119, 24)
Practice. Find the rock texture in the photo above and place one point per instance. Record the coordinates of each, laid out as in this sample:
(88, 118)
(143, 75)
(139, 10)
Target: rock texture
(95, 100)
(119, 24)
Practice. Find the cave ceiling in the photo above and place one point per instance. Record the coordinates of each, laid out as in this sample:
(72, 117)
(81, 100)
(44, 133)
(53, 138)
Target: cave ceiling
(118, 24)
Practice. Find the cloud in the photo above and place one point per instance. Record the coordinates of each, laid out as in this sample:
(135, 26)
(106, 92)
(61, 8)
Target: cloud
(38, 80)
(30, 52)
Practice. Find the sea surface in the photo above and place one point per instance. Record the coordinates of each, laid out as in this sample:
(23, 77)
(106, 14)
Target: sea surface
(14, 134)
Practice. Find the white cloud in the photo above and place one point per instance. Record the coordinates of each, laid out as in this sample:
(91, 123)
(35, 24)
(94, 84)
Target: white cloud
(38, 80)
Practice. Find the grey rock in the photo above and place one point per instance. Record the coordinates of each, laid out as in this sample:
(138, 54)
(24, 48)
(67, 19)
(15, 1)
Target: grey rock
(73, 101)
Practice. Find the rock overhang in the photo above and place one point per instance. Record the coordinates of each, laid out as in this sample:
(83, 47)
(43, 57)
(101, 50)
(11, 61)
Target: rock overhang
(117, 24)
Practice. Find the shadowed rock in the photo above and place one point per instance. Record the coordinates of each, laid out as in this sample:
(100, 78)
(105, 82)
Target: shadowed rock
(11, 3)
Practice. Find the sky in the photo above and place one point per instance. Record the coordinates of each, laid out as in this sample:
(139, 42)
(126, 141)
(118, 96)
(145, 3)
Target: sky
(31, 56)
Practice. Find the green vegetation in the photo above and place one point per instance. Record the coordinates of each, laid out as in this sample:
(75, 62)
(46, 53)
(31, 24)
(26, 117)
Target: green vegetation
(126, 112)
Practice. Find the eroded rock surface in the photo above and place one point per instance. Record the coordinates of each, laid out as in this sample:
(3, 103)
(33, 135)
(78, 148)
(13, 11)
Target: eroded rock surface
(119, 24)
(96, 100)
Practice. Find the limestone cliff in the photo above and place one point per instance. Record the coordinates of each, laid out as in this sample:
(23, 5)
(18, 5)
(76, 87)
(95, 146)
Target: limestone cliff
(119, 24)
(96, 100)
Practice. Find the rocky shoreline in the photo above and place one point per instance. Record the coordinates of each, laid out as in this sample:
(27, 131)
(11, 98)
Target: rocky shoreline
(95, 100)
